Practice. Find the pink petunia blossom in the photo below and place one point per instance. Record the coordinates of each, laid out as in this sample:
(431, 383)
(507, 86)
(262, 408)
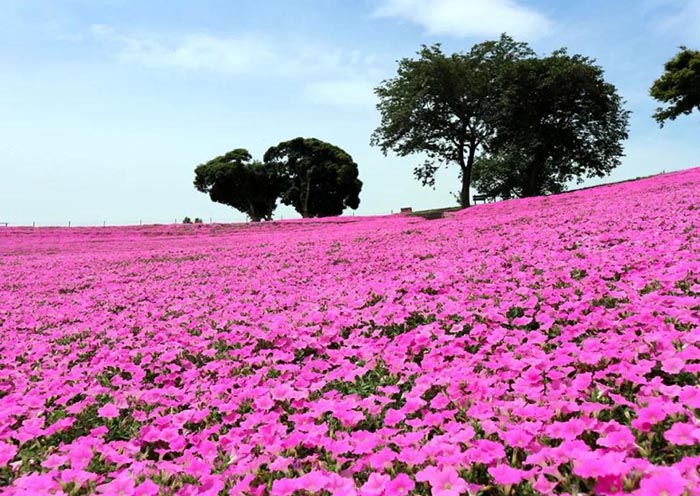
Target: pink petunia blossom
(375, 485)
(683, 434)
(446, 482)
(7, 453)
(399, 485)
(663, 482)
(122, 485)
(505, 474)
(109, 411)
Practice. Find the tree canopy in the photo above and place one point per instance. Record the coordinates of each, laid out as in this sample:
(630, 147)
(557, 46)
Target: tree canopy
(236, 180)
(441, 105)
(557, 119)
(678, 86)
(319, 179)
(529, 124)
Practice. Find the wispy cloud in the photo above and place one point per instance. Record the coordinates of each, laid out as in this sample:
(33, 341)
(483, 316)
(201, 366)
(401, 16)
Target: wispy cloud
(239, 54)
(342, 93)
(193, 51)
(464, 18)
(680, 18)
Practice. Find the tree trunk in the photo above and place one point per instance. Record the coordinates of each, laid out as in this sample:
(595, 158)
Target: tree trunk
(531, 181)
(254, 217)
(466, 169)
(307, 195)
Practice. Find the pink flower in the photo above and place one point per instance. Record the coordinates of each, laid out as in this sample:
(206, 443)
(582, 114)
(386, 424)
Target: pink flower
(80, 455)
(620, 439)
(211, 485)
(400, 485)
(595, 464)
(122, 485)
(648, 417)
(109, 411)
(284, 487)
(683, 434)
(445, 482)
(507, 475)
(664, 481)
(375, 485)
(264, 402)
(672, 365)
(393, 417)
(517, 438)
(382, 459)
(39, 484)
(55, 461)
(313, 481)
(147, 488)
(7, 453)
(609, 485)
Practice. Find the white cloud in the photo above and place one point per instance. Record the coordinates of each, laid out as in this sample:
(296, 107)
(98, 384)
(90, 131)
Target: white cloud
(464, 18)
(680, 18)
(193, 51)
(240, 54)
(331, 76)
(101, 29)
(234, 55)
(342, 93)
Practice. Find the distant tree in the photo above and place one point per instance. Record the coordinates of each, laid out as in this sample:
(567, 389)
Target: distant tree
(319, 178)
(187, 220)
(197, 220)
(557, 120)
(678, 86)
(441, 105)
(236, 180)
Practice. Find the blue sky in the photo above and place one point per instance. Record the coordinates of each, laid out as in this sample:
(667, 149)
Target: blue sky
(108, 105)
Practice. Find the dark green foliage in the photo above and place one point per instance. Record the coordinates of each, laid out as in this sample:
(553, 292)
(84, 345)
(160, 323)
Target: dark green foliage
(236, 180)
(441, 105)
(187, 220)
(678, 86)
(557, 120)
(319, 179)
(497, 175)
(515, 123)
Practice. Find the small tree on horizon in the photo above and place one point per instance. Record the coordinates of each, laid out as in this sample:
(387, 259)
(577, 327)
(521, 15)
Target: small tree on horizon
(247, 185)
(318, 179)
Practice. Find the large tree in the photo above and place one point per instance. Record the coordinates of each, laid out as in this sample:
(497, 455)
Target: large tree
(320, 179)
(678, 86)
(236, 180)
(557, 119)
(441, 105)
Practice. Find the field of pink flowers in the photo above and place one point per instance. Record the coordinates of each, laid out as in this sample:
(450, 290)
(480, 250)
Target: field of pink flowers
(540, 346)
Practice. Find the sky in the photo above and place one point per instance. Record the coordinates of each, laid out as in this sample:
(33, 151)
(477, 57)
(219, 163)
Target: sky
(108, 105)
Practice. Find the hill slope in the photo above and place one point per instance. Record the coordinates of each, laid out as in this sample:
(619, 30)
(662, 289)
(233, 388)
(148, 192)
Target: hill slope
(538, 346)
